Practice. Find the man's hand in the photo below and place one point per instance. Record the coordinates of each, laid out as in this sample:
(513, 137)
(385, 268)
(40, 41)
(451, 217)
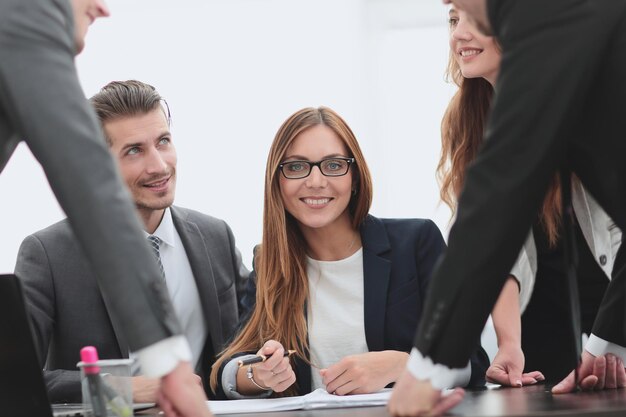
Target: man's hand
(145, 390)
(413, 397)
(181, 395)
(594, 373)
(364, 373)
(507, 366)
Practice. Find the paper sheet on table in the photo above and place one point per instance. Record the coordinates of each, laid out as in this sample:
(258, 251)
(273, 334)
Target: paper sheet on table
(317, 399)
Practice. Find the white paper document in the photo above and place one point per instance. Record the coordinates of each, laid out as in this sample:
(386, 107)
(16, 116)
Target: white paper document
(317, 399)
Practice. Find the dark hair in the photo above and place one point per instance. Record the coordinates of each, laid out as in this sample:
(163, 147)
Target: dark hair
(127, 98)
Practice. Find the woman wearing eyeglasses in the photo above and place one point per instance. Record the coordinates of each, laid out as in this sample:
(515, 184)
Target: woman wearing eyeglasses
(341, 287)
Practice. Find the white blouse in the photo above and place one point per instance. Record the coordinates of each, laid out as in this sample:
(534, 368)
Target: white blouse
(335, 312)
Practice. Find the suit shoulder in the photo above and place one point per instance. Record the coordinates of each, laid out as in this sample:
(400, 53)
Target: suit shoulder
(414, 225)
(201, 219)
(57, 241)
(422, 232)
(56, 232)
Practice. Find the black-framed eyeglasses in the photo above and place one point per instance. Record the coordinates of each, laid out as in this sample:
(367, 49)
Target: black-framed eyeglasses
(330, 167)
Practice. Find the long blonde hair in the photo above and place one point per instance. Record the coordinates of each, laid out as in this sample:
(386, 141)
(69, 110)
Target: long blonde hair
(280, 262)
(462, 130)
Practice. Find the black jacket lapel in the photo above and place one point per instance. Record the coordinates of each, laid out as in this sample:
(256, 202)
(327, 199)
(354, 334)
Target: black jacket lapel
(376, 273)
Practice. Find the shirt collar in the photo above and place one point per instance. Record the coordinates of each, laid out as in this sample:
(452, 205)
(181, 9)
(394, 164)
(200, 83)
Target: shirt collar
(165, 231)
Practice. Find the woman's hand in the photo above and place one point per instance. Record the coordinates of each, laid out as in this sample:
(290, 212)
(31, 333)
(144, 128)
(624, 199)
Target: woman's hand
(364, 373)
(276, 372)
(507, 366)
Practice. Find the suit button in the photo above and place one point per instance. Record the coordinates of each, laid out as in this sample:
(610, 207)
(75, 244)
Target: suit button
(602, 260)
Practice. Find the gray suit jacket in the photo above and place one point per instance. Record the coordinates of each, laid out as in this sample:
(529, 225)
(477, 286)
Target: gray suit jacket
(42, 103)
(68, 312)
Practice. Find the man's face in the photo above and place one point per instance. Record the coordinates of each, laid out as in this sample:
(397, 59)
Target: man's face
(142, 146)
(85, 13)
(476, 11)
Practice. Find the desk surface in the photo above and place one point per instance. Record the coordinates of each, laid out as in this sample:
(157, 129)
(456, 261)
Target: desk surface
(533, 401)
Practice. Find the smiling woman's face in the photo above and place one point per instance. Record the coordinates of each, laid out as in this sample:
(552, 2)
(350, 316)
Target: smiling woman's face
(317, 201)
(478, 55)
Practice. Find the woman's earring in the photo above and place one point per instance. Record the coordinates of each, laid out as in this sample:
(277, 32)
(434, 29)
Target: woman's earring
(354, 191)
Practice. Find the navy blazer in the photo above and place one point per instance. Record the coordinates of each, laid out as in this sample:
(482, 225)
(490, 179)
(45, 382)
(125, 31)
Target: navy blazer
(398, 258)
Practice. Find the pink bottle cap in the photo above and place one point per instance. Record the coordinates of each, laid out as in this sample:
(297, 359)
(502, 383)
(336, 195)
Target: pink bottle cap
(89, 354)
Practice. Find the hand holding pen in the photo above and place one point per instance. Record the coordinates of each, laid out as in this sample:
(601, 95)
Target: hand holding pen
(261, 358)
(272, 373)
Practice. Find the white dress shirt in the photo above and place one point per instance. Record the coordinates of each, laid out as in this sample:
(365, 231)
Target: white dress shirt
(156, 360)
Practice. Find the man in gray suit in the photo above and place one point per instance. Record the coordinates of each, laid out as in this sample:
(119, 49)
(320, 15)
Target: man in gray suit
(202, 267)
(42, 103)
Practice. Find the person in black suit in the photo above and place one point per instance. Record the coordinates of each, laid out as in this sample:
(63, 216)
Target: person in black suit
(559, 107)
(341, 287)
(538, 277)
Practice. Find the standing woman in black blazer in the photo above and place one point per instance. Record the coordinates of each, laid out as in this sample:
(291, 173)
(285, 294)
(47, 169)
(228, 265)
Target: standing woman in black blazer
(556, 109)
(341, 287)
(538, 276)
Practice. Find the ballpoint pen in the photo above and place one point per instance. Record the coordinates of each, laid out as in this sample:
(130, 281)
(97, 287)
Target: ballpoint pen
(261, 358)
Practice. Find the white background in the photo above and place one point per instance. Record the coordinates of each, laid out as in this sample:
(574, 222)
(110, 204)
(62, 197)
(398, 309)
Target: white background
(234, 70)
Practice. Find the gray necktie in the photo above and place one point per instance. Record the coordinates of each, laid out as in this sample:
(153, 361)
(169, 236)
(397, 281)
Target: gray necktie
(155, 244)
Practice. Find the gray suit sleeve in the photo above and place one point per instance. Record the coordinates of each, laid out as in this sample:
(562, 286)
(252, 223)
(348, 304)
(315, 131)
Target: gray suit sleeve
(45, 104)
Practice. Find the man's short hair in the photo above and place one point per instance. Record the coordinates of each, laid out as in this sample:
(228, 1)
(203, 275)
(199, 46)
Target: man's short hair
(127, 98)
